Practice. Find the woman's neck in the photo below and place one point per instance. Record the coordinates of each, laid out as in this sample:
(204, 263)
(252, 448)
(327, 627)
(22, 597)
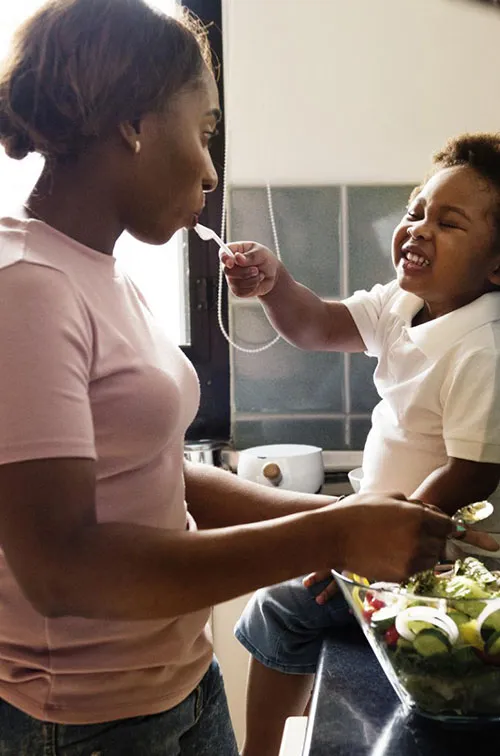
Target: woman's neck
(77, 200)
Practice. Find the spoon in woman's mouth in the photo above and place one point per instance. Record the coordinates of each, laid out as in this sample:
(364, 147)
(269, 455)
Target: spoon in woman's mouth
(208, 234)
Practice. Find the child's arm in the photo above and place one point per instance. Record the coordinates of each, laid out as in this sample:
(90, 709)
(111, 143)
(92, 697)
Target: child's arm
(299, 315)
(457, 483)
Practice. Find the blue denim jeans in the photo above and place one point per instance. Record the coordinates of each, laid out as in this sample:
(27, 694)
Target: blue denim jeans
(283, 627)
(198, 726)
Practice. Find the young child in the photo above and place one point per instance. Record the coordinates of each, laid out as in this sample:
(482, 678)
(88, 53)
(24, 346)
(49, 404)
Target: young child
(435, 434)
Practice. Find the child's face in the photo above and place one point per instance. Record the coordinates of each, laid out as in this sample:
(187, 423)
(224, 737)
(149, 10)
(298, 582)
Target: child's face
(442, 249)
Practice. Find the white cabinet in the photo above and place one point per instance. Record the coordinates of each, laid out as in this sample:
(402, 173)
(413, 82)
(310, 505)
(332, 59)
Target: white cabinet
(233, 659)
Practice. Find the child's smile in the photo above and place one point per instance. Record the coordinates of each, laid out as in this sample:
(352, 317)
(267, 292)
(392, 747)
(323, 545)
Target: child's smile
(413, 258)
(444, 249)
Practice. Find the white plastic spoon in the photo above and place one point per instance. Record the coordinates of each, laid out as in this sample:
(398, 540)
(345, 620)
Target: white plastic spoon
(476, 512)
(207, 234)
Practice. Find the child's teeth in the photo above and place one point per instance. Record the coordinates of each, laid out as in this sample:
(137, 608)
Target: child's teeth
(417, 259)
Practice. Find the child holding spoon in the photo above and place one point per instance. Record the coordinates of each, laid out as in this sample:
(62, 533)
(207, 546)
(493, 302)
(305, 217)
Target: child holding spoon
(435, 331)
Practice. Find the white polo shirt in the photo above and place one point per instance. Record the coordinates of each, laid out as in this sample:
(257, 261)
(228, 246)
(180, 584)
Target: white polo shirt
(439, 384)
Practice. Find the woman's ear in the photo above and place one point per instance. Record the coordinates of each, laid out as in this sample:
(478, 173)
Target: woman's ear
(130, 131)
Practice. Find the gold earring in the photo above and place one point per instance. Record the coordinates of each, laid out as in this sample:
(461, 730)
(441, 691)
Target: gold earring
(137, 147)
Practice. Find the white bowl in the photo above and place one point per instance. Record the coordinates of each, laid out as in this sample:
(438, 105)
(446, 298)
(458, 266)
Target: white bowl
(355, 476)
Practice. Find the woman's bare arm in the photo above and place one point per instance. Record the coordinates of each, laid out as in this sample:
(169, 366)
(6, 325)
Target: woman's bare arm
(217, 498)
(67, 563)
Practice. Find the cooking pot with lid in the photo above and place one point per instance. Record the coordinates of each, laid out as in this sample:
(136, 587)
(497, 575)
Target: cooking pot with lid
(293, 467)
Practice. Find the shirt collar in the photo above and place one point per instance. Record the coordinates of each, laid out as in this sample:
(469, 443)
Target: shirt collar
(436, 337)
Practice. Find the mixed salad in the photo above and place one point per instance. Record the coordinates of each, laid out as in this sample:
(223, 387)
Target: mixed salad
(441, 634)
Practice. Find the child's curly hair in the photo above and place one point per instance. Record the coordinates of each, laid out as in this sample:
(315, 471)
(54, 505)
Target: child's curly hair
(481, 152)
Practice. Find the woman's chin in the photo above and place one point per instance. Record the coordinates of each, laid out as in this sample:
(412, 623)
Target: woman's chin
(154, 235)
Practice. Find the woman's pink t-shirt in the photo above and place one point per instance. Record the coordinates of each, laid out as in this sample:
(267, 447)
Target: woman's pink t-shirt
(84, 372)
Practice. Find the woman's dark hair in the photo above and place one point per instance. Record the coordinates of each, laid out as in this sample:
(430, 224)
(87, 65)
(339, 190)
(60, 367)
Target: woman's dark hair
(481, 152)
(78, 68)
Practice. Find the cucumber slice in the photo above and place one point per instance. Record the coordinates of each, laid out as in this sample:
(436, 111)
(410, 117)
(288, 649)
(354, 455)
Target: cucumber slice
(431, 642)
(492, 621)
(492, 645)
(404, 645)
(459, 618)
(383, 619)
(488, 619)
(416, 626)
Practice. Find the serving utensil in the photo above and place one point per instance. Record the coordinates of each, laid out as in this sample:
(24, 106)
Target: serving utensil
(472, 513)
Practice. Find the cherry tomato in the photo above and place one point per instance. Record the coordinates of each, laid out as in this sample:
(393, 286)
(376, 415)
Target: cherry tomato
(391, 636)
(367, 613)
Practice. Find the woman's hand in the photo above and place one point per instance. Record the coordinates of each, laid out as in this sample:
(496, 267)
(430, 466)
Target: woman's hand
(252, 272)
(385, 537)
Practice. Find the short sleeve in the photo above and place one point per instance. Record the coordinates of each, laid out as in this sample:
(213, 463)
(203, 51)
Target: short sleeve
(366, 308)
(45, 361)
(471, 408)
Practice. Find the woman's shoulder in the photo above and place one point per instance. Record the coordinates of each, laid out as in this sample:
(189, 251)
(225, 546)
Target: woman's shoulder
(21, 267)
(32, 282)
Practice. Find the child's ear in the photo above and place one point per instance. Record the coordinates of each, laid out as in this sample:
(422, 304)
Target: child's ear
(494, 276)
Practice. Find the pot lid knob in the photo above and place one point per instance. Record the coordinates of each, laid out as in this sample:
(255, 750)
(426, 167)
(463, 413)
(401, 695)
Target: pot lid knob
(272, 472)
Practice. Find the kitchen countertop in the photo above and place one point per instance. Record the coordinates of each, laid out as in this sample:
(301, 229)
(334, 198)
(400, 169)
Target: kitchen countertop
(355, 711)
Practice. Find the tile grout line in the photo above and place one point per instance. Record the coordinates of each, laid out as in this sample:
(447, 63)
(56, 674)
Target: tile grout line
(344, 292)
(344, 242)
(247, 417)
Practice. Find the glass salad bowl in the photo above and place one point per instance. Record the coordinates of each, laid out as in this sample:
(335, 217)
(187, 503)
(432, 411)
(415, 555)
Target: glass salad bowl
(437, 638)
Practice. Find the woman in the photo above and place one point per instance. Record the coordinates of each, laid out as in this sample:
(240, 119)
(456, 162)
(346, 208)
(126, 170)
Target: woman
(105, 580)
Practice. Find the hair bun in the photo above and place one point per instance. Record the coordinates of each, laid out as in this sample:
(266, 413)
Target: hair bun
(16, 142)
(17, 146)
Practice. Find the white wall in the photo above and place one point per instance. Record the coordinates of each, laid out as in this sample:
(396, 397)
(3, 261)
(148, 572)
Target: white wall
(329, 91)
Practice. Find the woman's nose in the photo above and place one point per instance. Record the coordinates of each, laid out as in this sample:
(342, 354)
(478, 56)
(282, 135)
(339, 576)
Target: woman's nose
(211, 179)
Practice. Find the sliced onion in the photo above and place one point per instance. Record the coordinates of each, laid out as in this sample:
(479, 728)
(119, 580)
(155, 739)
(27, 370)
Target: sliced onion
(435, 617)
(390, 593)
(491, 606)
(383, 586)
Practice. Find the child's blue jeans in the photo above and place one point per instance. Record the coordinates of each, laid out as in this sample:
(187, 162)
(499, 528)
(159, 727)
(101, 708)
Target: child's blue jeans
(283, 627)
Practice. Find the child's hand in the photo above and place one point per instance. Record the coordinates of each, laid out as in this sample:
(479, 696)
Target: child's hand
(252, 272)
(330, 590)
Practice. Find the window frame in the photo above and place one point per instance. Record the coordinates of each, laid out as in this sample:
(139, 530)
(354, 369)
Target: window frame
(209, 350)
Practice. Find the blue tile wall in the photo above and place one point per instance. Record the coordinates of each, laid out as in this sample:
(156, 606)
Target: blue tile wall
(374, 212)
(359, 427)
(334, 240)
(323, 432)
(363, 393)
(283, 378)
(307, 225)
